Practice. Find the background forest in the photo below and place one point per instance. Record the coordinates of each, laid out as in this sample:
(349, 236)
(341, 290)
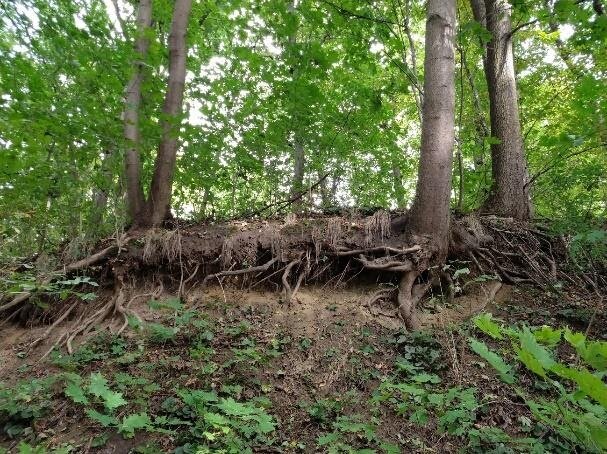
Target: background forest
(277, 95)
(303, 226)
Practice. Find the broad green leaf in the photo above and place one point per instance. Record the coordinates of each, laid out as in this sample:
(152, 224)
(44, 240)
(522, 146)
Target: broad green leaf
(529, 344)
(496, 361)
(104, 420)
(113, 400)
(75, 392)
(134, 422)
(485, 323)
(548, 336)
(530, 362)
(98, 385)
(588, 383)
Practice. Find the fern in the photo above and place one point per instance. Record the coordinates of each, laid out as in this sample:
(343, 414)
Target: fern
(496, 361)
(485, 323)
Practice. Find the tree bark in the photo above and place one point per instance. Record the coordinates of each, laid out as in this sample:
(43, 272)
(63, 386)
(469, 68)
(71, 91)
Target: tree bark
(430, 212)
(164, 167)
(135, 197)
(299, 155)
(509, 194)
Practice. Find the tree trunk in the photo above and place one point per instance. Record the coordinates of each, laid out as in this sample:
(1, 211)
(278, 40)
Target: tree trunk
(299, 158)
(135, 197)
(164, 167)
(399, 190)
(509, 195)
(299, 155)
(430, 212)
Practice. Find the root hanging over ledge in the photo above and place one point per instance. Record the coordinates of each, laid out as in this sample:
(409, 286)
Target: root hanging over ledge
(286, 254)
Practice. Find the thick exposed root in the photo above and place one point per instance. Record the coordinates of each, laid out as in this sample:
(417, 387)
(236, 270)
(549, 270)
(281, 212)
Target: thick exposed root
(409, 294)
(285, 281)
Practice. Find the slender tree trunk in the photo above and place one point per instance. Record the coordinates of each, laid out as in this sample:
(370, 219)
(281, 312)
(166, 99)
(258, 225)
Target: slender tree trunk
(399, 190)
(430, 212)
(299, 155)
(480, 123)
(164, 167)
(509, 195)
(135, 197)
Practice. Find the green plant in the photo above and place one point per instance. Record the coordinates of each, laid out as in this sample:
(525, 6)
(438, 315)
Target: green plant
(224, 424)
(571, 416)
(25, 402)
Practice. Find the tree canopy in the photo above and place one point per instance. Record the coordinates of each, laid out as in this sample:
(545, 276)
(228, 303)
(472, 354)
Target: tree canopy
(341, 79)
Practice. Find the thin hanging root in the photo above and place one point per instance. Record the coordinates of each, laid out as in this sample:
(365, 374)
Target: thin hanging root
(267, 277)
(54, 325)
(300, 279)
(255, 269)
(184, 283)
(60, 340)
(476, 262)
(285, 280)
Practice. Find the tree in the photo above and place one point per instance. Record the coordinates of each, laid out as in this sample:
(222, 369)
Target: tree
(509, 194)
(430, 212)
(157, 206)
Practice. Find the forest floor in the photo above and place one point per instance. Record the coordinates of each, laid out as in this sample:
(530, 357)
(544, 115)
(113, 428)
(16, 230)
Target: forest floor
(234, 371)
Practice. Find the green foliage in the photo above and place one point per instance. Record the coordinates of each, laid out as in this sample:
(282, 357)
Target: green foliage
(572, 416)
(496, 361)
(24, 402)
(226, 424)
(485, 323)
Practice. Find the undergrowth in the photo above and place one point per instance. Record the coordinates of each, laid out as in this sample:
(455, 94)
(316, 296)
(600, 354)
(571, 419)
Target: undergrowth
(192, 382)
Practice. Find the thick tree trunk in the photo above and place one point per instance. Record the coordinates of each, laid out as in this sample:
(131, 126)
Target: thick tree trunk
(509, 195)
(164, 167)
(135, 197)
(430, 211)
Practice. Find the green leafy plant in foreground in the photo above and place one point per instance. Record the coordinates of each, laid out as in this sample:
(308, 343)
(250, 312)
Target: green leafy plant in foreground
(224, 425)
(579, 412)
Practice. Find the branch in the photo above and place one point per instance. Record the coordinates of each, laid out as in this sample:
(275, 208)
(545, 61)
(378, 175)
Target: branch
(563, 158)
(349, 13)
(283, 204)
(123, 27)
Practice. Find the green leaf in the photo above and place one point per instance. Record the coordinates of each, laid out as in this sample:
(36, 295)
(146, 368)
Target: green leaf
(113, 400)
(134, 422)
(98, 385)
(232, 408)
(496, 361)
(104, 420)
(530, 362)
(485, 323)
(75, 392)
(548, 336)
(588, 383)
(529, 344)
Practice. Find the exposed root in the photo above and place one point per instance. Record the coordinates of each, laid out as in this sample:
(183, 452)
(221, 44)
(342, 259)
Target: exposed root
(385, 264)
(285, 281)
(409, 295)
(56, 323)
(345, 252)
(383, 294)
(254, 269)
